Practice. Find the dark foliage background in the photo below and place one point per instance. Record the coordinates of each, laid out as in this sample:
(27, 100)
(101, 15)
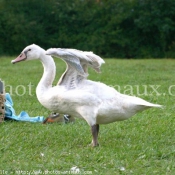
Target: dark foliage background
(110, 28)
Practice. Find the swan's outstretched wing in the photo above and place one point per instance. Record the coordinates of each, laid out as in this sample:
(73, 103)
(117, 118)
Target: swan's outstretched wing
(77, 59)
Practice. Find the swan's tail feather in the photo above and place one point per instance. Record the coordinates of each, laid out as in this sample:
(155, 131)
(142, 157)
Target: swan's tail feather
(156, 105)
(147, 105)
(143, 104)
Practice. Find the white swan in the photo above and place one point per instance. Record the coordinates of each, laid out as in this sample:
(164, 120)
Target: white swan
(95, 102)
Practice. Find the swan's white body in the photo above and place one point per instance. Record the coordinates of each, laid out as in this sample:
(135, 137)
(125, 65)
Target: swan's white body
(95, 102)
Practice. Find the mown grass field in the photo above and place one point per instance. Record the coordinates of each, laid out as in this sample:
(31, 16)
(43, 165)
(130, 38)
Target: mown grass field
(142, 145)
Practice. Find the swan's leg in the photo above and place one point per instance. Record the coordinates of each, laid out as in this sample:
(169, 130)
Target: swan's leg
(95, 131)
(89, 113)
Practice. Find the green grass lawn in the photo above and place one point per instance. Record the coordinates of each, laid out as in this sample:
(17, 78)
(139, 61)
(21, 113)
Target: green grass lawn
(142, 145)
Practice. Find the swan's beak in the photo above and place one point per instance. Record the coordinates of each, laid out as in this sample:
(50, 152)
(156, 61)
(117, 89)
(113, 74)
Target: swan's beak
(21, 57)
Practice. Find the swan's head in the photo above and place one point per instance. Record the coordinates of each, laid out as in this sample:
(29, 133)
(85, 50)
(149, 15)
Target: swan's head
(31, 52)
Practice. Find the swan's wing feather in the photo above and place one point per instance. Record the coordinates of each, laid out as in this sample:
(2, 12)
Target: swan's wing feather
(72, 55)
(88, 58)
(69, 58)
(69, 78)
(75, 63)
(94, 61)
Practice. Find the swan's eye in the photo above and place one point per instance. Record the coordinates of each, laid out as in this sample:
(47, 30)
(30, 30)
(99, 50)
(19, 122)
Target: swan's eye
(29, 50)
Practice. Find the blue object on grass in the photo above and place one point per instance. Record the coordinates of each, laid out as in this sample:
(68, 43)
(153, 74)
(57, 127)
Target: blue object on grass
(23, 116)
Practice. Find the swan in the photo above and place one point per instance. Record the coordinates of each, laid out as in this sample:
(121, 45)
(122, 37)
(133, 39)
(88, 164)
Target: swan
(77, 96)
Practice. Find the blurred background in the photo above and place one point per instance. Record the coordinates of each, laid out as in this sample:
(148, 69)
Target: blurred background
(109, 28)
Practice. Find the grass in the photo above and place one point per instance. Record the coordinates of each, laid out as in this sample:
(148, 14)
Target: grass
(142, 145)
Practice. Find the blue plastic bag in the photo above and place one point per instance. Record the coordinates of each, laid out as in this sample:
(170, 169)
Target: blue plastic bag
(23, 116)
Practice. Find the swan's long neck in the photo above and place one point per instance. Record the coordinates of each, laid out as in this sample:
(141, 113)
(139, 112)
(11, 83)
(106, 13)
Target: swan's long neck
(48, 75)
